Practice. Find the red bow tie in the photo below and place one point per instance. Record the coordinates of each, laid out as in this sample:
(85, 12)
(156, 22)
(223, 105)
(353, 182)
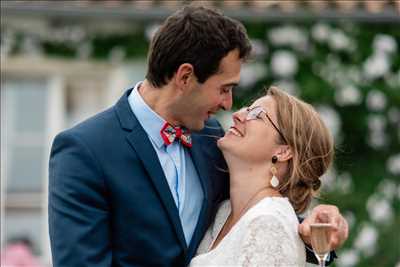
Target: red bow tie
(169, 133)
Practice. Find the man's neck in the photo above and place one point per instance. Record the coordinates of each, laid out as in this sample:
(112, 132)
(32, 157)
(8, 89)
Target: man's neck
(161, 100)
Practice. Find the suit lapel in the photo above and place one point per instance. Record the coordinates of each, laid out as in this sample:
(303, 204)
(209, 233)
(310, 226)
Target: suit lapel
(200, 164)
(143, 148)
(202, 168)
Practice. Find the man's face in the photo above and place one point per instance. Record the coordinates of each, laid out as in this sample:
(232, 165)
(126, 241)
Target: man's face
(204, 100)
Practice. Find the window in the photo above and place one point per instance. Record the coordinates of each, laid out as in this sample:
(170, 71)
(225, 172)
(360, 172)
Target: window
(24, 108)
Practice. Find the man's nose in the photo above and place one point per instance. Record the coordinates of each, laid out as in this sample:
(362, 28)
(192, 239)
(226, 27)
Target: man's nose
(226, 103)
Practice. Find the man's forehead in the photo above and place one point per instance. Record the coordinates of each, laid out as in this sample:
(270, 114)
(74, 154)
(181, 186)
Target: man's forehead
(225, 79)
(230, 61)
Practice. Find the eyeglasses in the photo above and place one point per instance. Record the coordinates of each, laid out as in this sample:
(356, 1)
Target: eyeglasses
(256, 113)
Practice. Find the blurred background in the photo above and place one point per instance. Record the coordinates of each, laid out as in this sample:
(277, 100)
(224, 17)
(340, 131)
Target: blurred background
(63, 61)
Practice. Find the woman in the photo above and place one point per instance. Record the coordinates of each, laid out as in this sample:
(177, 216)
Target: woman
(276, 151)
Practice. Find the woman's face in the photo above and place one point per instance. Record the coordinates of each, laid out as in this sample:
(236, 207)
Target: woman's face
(252, 137)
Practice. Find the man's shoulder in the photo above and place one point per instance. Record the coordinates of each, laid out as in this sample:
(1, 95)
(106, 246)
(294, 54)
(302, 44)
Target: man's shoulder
(97, 122)
(93, 127)
(103, 121)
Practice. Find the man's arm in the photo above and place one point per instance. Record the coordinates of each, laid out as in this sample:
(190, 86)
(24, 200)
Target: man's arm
(338, 235)
(78, 211)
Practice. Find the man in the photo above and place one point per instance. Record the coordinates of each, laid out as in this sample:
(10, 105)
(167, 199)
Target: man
(130, 188)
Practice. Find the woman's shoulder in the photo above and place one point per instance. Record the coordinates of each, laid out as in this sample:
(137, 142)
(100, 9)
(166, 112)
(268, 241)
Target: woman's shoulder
(273, 207)
(276, 211)
(278, 207)
(273, 226)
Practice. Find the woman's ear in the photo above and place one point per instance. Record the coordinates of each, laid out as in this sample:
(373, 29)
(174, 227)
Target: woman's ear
(183, 75)
(284, 153)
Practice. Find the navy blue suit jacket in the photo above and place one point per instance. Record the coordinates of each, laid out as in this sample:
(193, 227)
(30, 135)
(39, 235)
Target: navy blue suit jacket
(109, 201)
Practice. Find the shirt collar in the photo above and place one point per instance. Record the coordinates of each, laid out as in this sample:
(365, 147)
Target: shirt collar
(148, 118)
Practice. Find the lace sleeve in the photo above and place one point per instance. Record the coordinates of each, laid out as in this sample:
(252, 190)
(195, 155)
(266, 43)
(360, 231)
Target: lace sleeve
(267, 243)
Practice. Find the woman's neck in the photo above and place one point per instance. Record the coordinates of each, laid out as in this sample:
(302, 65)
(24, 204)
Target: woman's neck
(248, 185)
(247, 188)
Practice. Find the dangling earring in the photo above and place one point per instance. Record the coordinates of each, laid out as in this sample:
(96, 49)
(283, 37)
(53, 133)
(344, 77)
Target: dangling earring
(274, 180)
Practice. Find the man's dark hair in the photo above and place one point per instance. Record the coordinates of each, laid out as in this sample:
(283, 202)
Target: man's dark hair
(196, 35)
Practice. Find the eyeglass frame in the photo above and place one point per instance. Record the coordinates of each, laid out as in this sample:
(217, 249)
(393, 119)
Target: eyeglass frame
(262, 110)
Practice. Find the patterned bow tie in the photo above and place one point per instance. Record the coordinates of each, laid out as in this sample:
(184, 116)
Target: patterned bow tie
(170, 133)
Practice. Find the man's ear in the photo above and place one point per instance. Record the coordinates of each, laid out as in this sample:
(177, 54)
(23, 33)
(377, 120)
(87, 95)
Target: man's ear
(183, 75)
(284, 153)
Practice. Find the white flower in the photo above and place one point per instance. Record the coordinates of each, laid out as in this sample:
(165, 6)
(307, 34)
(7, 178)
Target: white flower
(328, 180)
(394, 115)
(398, 192)
(350, 218)
(376, 123)
(387, 188)
(258, 48)
(251, 73)
(366, 240)
(393, 80)
(376, 100)
(384, 43)
(379, 209)
(398, 133)
(284, 63)
(354, 74)
(340, 41)
(348, 95)
(393, 164)
(340, 78)
(321, 32)
(288, 35)
(376, 66)
(377, 139)
(348, 258)
(345, 183)
(331, 119)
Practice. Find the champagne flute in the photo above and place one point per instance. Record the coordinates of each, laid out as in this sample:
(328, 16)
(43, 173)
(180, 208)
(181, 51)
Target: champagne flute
(320, 233)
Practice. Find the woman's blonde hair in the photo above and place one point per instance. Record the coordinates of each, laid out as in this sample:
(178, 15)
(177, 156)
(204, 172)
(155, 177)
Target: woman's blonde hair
(311, 144)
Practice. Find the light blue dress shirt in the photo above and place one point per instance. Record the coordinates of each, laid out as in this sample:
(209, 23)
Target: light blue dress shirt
(176, 162)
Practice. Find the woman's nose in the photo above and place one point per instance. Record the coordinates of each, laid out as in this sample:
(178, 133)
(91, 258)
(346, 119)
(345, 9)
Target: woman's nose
(239, 116)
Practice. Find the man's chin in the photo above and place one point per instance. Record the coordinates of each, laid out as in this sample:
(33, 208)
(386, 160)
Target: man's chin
(197, 127)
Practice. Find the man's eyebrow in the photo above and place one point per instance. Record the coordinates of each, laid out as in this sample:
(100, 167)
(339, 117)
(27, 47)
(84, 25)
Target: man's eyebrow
(231, 84)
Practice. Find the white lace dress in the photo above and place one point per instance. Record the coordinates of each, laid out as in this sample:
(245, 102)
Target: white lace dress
(265, 236)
